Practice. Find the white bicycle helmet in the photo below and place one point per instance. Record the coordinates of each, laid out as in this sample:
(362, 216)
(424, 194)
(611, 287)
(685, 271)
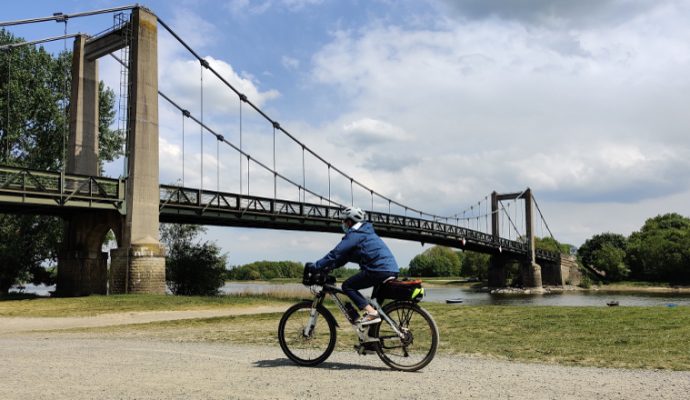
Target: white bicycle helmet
(353, 213)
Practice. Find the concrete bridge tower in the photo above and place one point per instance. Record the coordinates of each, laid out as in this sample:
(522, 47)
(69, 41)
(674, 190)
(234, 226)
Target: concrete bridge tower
(530, 271)
(138, 264)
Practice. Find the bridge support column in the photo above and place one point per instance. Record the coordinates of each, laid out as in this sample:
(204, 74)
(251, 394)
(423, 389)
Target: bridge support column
(497, 271)
(531, 276)
(82, 267)
(82, 273)
(139, 265)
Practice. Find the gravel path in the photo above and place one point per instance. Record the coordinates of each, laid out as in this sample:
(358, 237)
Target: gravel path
(13, 325)
(69, 366)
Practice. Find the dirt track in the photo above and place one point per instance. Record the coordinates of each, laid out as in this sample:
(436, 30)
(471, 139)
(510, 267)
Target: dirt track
(60, 366)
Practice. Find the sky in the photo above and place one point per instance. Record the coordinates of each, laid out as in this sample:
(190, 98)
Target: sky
(433, 103)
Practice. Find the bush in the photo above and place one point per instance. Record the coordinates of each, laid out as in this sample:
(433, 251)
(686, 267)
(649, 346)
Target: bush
(191, 267)
(195, 269)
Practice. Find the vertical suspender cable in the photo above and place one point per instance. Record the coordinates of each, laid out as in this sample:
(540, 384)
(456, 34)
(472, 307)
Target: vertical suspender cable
(275, 174)
(372, 200)
(329, 184)
(240, 145)
(486, 218)
(7, 123)
(304, 178)
(183, 148)
(352, 194)
(218, 164)
(64, 104)
(201, 126)
(248, 160)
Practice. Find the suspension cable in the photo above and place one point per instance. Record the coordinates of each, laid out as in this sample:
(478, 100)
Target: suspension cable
(242, 152)
(270, 120)
(542, 217)
(39, 41)
(58, 17)
(239, 150)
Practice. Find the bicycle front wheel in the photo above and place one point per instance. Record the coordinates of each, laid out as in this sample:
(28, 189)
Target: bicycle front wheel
(304, 344)
(420, 338)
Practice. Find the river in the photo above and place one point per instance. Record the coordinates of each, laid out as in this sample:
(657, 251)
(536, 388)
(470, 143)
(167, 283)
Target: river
(596, 298)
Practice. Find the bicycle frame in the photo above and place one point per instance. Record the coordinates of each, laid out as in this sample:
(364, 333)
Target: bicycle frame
(333, 292)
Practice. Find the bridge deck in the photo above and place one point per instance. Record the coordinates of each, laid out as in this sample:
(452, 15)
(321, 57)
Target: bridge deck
(29, 191)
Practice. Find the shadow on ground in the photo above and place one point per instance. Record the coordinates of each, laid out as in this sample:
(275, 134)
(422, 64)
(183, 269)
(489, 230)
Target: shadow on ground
(284, 362)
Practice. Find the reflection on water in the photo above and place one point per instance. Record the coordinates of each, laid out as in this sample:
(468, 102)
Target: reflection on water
(469, 297)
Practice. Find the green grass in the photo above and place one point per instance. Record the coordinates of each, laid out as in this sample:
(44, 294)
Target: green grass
(627, 337)
(19, 306)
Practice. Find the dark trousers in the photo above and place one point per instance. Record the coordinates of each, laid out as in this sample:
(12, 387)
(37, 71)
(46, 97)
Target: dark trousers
(361, 280)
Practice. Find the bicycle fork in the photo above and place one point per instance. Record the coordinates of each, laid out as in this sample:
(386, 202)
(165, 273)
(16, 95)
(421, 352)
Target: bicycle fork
(313, 314)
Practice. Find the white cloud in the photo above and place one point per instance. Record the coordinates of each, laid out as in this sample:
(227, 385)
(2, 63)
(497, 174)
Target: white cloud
(243, 8)
(289, 62)
(181, 78)
(511, 107)
(367, 131)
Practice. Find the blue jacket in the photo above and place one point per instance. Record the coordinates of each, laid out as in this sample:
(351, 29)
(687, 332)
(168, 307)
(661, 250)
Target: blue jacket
(363, 246)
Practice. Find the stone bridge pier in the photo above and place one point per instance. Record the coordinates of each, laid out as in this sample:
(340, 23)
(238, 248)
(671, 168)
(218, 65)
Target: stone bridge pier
(138, 264)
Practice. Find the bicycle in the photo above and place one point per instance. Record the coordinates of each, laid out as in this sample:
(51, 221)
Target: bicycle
(406, 339)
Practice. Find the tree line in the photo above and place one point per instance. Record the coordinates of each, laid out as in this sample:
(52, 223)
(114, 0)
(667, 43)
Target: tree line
(658, 252)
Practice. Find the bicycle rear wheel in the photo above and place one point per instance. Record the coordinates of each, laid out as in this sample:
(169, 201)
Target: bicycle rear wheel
(313, 347)
(418, 346)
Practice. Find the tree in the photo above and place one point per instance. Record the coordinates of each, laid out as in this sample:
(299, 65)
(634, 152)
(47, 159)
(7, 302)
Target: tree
(436, 261)
(267, 270)
(610, 259)
(660, 251)
(191, 267)
(33, 104)
(606, 252)
(475, 265)
(551, 244)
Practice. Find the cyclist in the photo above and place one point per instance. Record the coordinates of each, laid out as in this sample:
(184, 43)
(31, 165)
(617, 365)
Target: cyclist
(363, 246)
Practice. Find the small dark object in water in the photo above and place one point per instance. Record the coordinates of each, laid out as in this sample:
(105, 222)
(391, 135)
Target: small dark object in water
(453, 301)
(612, 303)
(671, 305)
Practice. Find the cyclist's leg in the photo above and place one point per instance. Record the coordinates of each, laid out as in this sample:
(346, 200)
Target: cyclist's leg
(361, 280)
(352, 285)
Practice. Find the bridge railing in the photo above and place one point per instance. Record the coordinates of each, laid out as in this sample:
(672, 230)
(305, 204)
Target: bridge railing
(233, 207)
(21, 185)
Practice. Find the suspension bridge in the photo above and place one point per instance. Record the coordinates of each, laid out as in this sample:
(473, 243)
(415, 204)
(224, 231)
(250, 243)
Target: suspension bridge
(133, 205)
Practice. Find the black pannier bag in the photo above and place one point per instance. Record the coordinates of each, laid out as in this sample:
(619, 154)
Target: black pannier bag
(314, 276)
(405, 290)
